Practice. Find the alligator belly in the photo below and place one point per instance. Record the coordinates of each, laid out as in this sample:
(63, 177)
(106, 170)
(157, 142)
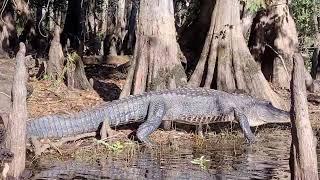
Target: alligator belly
(200, 119)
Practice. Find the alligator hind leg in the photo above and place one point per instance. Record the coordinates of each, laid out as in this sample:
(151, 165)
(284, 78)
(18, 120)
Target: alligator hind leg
(156, 113)
(106, 130)
(244, 124)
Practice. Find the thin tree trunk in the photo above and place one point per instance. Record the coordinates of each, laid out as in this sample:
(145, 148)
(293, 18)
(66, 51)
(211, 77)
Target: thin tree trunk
(91, 18)
(303, 156)
(315, 70)
(129, 39)
(226, 62)
(50, 20)
(156, 65)
(104, 13)
(16, 139)
(121, 20)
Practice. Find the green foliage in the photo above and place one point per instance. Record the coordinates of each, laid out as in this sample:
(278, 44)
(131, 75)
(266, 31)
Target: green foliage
(303, 12)
(254, 5)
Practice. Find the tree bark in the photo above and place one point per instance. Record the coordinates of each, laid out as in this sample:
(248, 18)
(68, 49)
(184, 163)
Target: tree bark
(155, 65)
(56, 57)
(315, 69)
(16, 139)
(303, 157)
(225, 62)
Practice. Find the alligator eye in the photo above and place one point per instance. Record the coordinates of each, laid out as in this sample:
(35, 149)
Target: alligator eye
(270, 104)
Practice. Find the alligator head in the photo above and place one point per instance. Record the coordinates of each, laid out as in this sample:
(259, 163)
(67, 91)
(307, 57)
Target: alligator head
(262, 112)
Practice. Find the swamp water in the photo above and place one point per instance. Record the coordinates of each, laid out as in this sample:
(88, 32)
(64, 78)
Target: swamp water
(213, 158)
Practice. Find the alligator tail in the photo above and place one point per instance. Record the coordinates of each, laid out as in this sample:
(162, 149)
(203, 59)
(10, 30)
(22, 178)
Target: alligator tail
(57, 126)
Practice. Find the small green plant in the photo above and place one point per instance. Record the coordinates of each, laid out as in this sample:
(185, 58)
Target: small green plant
(202, 162)
(115, 147)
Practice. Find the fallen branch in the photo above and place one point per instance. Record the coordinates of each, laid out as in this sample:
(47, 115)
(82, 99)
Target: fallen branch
(42, 145)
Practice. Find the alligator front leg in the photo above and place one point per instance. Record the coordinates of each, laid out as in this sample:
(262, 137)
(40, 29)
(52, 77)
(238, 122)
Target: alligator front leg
(156, 112)
(244, 124)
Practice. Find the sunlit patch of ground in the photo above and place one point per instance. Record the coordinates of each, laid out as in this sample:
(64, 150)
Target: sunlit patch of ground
(50, 98)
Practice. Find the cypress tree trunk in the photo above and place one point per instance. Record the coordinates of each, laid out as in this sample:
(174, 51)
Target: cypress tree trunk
(225, 62)
(155, 65)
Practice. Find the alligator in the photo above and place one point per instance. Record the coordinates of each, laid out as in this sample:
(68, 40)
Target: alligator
(184, 105)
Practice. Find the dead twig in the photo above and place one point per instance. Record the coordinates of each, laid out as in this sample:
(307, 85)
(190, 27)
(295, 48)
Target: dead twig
(3, 93)
(282, 60)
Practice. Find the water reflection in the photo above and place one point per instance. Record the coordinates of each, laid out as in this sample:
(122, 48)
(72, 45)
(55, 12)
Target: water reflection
(267, 159)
